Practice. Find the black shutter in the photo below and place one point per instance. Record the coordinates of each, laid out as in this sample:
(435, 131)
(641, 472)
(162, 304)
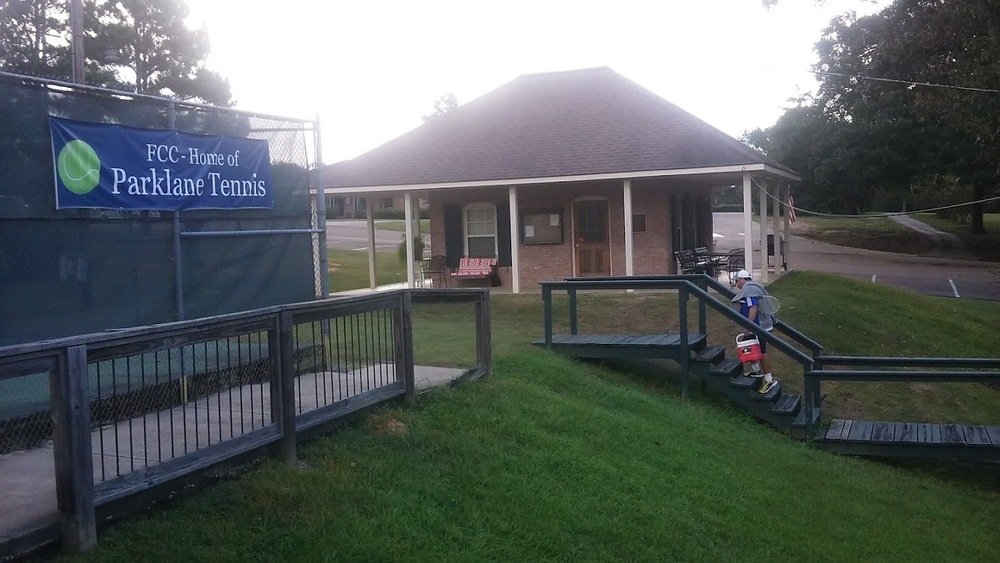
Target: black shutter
(453, 243)
(503, 235)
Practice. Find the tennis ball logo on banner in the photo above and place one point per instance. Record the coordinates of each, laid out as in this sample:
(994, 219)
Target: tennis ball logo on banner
(79, 167)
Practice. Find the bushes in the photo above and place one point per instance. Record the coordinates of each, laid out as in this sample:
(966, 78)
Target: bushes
(418, 249)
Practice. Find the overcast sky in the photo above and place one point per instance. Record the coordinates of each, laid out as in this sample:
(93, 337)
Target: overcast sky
(372, 68)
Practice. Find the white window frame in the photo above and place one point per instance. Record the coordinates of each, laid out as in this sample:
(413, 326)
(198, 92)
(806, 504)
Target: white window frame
(465, 225)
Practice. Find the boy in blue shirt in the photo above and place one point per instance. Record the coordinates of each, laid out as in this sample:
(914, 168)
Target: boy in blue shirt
(751, 297)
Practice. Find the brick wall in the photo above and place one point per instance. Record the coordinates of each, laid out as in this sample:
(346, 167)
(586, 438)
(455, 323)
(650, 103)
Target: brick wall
(652, 249)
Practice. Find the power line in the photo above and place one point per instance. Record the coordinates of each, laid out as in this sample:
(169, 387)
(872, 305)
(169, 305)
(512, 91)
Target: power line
(871, 215)
(909, 82)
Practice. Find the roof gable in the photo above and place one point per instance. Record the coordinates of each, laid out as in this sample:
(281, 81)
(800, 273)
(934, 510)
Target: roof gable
(573, 123)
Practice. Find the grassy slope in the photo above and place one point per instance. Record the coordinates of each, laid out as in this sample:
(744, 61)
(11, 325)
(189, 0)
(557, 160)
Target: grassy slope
(552, 459)
(877, 233)
(555, 459)
(856, 318)
(847, 316)
(986, 245)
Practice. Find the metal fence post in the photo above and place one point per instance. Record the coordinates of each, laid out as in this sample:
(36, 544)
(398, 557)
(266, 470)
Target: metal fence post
(280, 349)
(72, 451)
(484, 339)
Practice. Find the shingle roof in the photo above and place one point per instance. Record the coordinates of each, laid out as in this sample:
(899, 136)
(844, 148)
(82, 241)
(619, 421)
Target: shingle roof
(580, 122)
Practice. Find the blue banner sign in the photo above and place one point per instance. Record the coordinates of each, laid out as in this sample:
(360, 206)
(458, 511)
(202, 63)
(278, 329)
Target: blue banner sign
(116, 167)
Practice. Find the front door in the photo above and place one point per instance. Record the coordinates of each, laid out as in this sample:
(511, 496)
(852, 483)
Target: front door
(591, 246)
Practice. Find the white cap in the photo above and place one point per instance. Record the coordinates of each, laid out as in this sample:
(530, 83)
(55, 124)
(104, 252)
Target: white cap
(742, 275)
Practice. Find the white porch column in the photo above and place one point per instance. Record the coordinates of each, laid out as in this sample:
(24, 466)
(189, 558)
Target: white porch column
(627, 197)
(776, 228)
(515, 242)
(762, 187)
(410, 256)
(747, 224)
(370, 216)
(788, 226)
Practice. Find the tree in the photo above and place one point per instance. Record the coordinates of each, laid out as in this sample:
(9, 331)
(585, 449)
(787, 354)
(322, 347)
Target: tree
(148, 40)
(917, 44)
(34, 38)
(442, 105)
(140, 46)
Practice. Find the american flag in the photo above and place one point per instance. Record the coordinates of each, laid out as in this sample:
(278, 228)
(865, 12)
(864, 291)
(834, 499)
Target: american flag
(791, 208)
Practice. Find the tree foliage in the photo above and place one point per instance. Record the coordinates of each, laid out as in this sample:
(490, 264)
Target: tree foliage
(141, 46)
(880, 138)
(442, 105)
(34, 37)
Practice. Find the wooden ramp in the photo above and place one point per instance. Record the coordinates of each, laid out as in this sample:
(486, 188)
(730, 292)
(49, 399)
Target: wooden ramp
(618, 346)
(912, 439)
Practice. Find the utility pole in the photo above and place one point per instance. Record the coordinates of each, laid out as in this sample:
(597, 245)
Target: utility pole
(76, 38)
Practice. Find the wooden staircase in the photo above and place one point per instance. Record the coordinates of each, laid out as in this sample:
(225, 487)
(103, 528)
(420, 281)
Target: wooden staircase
(725, 376)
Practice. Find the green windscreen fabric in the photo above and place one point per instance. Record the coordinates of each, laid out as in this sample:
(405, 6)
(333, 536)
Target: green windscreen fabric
(75, 271)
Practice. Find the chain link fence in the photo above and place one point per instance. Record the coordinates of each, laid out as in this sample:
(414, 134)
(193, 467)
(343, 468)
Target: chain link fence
(69, 272)
(74, 271)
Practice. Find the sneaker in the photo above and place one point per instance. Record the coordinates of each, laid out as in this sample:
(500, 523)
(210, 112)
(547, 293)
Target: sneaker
(766, 386)
(754, 374)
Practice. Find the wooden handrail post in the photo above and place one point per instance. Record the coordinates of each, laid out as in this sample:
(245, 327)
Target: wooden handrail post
(809, 394)
(280, 348)
(817, 366)
(409, 375)
(682, 297)
(572, 311)
(703, 285)
(484, 337)
(72, 451)
(547, 314)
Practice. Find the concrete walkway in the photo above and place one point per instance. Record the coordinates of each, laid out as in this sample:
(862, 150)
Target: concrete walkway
(946, 244)
(27, 477)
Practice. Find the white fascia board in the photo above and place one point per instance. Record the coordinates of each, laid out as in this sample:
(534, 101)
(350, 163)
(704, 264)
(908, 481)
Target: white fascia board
(734, 169)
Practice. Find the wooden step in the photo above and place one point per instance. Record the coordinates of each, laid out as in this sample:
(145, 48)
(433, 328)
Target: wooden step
(728, 367)
(772, 394)
(744, 382)
(712, 354)
(788, 404)
(800, 417)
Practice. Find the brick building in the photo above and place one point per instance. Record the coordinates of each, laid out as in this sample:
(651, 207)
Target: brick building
(580, 172)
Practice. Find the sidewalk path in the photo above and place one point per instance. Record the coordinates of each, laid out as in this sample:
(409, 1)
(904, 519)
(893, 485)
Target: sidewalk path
(946, 244)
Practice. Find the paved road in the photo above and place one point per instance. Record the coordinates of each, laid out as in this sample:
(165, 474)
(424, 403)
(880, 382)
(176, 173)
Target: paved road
(928, 275)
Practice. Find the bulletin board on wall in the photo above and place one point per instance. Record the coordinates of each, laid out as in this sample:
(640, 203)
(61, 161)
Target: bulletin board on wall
(542, 226)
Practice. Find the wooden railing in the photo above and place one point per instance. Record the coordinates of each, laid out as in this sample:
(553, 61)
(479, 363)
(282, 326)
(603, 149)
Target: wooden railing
(687, 286)
(137, 408)
(816, 368)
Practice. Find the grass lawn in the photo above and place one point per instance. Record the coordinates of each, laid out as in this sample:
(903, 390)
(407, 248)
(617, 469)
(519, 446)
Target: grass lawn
(986, 245)
(876, 233)
(552, 459)
(349, 269)
(400, 225)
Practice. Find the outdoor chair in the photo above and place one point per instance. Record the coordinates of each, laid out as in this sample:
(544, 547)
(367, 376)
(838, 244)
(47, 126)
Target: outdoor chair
(734, 263)
(689, 262)
(436, 269)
